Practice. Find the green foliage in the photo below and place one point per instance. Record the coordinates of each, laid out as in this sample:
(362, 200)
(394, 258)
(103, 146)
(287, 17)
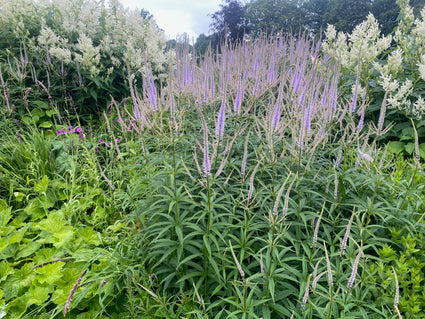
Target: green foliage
(275, 210)
(75, 53)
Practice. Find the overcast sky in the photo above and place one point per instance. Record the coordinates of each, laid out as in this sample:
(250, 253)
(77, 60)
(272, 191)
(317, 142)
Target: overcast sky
(179, 16)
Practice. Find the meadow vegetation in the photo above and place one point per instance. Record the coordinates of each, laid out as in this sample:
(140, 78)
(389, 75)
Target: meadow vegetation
(280, 177)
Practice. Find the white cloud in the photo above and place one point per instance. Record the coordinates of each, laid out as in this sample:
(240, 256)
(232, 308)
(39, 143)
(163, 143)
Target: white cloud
(179, 16)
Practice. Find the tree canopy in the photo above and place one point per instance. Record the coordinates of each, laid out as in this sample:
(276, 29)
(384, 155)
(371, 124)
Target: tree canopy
(236, 18)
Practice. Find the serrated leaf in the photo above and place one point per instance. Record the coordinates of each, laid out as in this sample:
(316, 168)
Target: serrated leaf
(37, 295)
(27, 249)
(49, 273)
(89, 236)
(63, 236)
(42, 185)
(5, 270)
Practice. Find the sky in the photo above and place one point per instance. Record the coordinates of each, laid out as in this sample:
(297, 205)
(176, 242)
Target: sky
(179, 16)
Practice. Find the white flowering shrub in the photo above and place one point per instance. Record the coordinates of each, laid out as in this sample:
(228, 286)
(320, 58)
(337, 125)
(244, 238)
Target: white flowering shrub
(392, 67)
(387, 73)
(82, 51)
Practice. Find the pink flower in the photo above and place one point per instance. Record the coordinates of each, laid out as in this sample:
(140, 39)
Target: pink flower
(118, 140)
(100, 141)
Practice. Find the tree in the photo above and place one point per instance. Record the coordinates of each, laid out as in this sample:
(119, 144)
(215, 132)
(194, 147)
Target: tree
(345, 15)
(275, 15)
(229, 21)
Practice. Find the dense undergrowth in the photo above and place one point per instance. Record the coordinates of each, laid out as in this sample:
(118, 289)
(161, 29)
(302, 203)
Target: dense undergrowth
(249, 186)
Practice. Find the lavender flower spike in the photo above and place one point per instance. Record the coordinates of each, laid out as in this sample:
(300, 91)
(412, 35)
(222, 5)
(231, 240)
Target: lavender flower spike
(221, 118)
(276, 117)
(350, 283)
(366, 156)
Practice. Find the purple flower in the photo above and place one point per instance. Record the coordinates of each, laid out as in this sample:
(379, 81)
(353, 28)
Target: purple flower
(221, 118)
(96, 150)
(276, 117)
(119, 120)
(108, 144)
(100, 141)
(78, 130)
(118, 140)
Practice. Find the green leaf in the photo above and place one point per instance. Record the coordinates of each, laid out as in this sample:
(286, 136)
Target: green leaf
(49, 113)
(63, 236)
(42, 186)
(41, 104)
(28, 249)
(409, 148)
(396, 147)
(89, 236)
(422, 150)
(5, 215)
(45, 125)
(5, 270)
(38, 295)
(49, 273)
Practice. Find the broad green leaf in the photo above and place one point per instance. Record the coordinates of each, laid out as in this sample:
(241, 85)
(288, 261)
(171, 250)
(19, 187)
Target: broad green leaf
(38, 295)
(42, 185)
(422, 150)
(49, 273)
(10, 287)
(409, 147)
(49, 113)
(89, 236)
(45, 125)
(16, 308)
(28, 249)
(41, 104)
(63, 236)
(396, 147)
(5, 215)
(5, 270)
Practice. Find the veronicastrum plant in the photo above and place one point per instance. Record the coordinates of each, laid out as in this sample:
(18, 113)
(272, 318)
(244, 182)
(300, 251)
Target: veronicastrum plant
(266, 199)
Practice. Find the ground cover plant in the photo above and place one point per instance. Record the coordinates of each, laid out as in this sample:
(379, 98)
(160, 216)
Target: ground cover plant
(247, 183)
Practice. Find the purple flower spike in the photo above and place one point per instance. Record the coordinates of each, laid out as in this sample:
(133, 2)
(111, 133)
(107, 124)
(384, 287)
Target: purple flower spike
(221, 118)
(276, 117)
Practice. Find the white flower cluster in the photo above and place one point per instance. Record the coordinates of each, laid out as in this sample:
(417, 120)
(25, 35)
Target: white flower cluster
(418, 108)
(87, 34)
(399, 100)
(363, 44)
